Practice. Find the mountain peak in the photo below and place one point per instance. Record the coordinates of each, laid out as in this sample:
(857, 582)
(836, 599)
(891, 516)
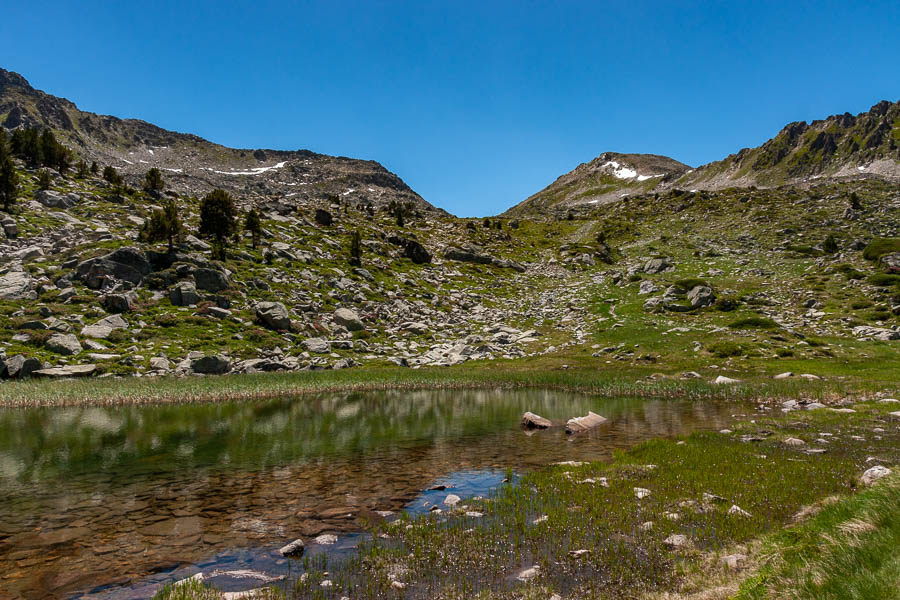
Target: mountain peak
(608, 177)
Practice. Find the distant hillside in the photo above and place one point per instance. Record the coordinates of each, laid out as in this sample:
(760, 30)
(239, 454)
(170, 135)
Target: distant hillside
(193, 165)
(840, 146)
(606, 178)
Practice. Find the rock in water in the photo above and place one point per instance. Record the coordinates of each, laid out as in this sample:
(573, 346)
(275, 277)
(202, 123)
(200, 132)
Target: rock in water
(295, 548)
(533, 421)
(580, 424)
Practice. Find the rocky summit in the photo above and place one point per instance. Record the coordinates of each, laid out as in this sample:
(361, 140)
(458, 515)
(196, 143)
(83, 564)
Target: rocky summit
(785, 252)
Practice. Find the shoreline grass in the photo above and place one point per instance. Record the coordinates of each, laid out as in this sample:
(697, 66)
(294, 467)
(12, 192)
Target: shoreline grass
(566, 372)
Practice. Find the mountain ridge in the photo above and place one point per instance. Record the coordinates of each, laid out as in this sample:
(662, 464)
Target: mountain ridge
(841, 146)
(193, 165)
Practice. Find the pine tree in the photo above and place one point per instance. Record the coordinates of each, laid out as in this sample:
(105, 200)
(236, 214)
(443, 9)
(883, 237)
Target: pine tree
(82, 169)
(95, 168)
(44, 180)
(9, 183)
(153, 181)
(829, 246)
(218, 220)
(164, 225)
(355, 249)
(253, 225)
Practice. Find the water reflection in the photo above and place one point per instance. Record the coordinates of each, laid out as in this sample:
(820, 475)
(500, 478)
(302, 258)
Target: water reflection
(100, 496)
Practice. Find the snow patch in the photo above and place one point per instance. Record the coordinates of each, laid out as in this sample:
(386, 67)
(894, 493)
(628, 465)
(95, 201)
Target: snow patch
(173, 170)
(348, 192)
(128, 161)
(253, 171)
(623, 172)
(861, 168)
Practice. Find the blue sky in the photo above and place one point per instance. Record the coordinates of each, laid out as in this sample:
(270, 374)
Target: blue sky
(476, 105)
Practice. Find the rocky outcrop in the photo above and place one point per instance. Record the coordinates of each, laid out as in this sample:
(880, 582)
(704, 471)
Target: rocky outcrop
(63, 343)
(17, 285)
(472, 254)
(533, 421)
(125, 264)
(211, 280)
(184, 294)
(66, 372)
(211, 365)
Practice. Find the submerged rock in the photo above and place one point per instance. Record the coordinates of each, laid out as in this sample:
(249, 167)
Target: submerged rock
(533, 421)
(581, 424)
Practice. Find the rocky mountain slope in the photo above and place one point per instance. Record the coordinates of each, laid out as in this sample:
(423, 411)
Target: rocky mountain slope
(840, 147)
(797, 277)
(194, 166)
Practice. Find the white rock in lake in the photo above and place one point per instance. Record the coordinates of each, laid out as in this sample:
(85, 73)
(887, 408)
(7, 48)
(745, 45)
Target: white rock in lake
(452, 500)
(529, 573)
(326, 539)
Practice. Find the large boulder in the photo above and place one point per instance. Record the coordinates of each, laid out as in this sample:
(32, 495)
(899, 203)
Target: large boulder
(17, 285)
(117, 303)
(323, 217)
(349, 319)
(701, 295)
(412, 249)
(317, 345)
(102, 328)
(9, 227)
(273, 315)
(658, 265)
(184, 294)
(63, 343)
(67, 371)
(20, 367)
(127, 264)
(877, 333)
(211, 365)
(54, 199)
(468, 254)
(211, 280)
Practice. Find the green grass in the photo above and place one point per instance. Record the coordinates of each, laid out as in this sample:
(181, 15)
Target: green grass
(753, 323)
(848, 550)
(879, 247)
(884, 279)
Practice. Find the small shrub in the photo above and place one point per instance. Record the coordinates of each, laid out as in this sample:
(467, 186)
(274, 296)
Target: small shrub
(849, 271)
(861, 304)
(727, 304)
(634, 277)
(784, 352)
(689, 283)
(726, 349)
(884, 279)
(878, 248)
(753, 323)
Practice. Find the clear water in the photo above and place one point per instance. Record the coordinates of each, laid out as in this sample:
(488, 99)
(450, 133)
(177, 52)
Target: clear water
(113, 502)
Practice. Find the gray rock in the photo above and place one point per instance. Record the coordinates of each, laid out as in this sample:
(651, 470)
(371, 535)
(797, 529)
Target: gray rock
(658, 265)
(468, 254)
(195, 243)
(34, 325)
(160, 363)
(67, 371)
(647, 287)
(20, 367)
(349, 319)
(184, 294)
(211, 365)
(273, 315)
(63, 343)
(412, 250)
(9, 227)
(700, 296)
(116, 303)
(874, 474)
(17, 285)
(317, 345)
(877, 333)
(127, 264)
(54, 199)
(211, 280)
